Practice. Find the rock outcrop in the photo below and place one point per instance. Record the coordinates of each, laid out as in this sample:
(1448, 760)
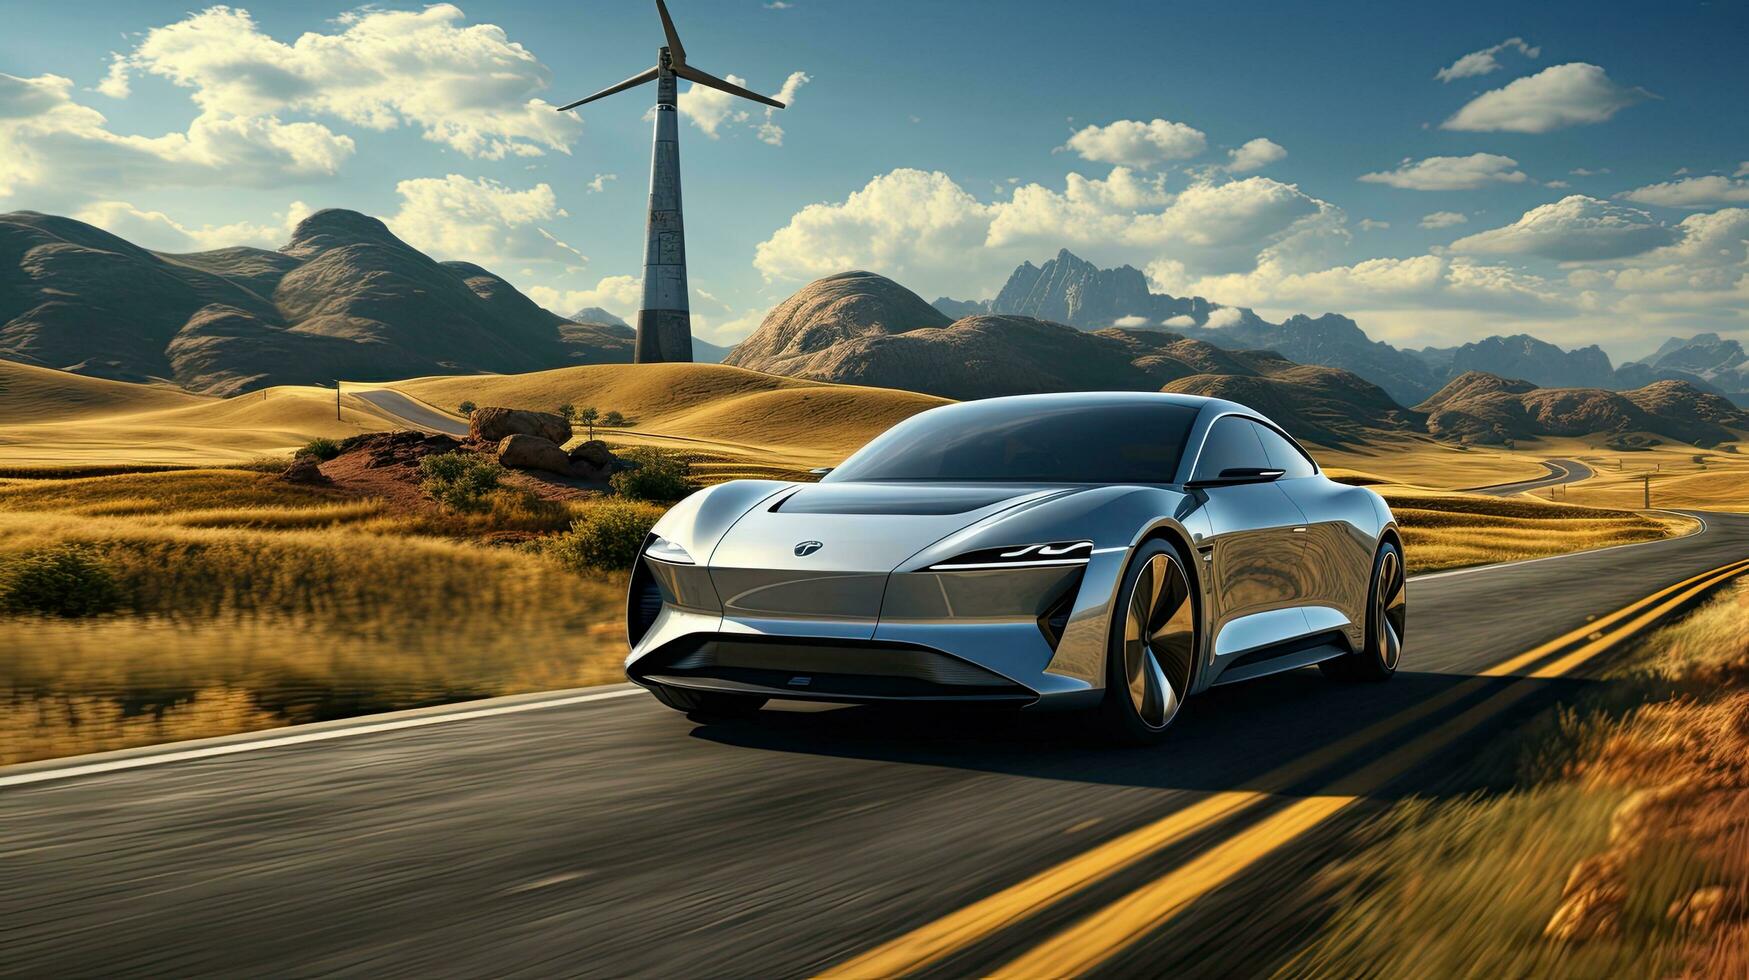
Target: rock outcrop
(493, 424)
(529, 452)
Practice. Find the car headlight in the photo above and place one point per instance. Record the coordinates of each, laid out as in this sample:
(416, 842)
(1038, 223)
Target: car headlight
(1019, 556)
(662, 549)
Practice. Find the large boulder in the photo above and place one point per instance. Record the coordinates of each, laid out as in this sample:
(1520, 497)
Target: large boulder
(525, 452)
(593, 461)
(306, 470)
(495, 424)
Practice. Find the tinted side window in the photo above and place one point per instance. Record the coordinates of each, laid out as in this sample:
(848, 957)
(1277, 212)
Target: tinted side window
(1283, 455)
(1232, 441)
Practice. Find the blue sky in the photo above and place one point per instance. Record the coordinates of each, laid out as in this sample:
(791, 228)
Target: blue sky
(1583, 174)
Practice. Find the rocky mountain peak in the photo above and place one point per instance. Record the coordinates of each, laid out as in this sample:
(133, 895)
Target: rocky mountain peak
(336, 228)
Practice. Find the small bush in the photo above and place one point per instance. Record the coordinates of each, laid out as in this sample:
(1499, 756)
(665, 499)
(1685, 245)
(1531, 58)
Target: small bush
(614, 419)
(321, 448)
(65, 581)
(458, 480)
(658, 476)
(606, 538)
(466, 408)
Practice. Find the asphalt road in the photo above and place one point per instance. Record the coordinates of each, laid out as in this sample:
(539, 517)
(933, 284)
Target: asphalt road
(1560, 471)
(615, 837)
(411, 411)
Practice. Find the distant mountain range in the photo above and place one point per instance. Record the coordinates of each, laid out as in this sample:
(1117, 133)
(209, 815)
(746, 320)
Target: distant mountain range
(344, 298)
(1069, 289)
(862, 328)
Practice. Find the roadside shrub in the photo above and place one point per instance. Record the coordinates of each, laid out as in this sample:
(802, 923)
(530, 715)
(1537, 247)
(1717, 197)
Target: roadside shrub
(322, 448)
(614, 419)
(606, 538)
(466, 408)
(458, 480)
(65, 581)
(659, 476)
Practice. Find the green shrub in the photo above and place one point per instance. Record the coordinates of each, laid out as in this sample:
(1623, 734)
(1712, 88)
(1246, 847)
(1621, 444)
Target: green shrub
(659, 476)
(64, 581)
(458, 480)
(466, 408)
(606, 538)
(614, 419)
(322, 448)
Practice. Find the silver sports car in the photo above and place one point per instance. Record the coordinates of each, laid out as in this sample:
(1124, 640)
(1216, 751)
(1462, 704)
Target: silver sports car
(1113, 552)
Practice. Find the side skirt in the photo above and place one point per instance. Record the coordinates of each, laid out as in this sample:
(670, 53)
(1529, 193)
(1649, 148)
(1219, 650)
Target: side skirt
(1292, 655)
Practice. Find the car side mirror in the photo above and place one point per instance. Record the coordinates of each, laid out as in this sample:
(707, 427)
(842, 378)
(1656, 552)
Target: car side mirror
(1236, 475)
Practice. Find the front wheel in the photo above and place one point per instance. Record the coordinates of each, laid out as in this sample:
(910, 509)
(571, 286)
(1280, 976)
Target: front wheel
(708, 705)
(1153, 646)
(1387, 614)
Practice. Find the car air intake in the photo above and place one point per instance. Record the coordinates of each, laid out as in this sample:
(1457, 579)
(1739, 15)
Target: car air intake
(823, 668)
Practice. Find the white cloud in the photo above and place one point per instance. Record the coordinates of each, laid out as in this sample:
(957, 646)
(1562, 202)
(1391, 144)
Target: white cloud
(1450, 173)
(1557, 184)
(1130, 321)
(48, 142)
(1443, 219)
(1484, 62)
(919, 227)
(619, 295)
(481, 221)
(1742, 169)
(1573, 94)
(599, 183)
(1255, 155)
(157, 230)
(1574, 229)
(1226, 316)
(467, 87)
(1181, 320)
(769, 131)
(1138, 144)
(1372, 224)
(1692, 192)
(713, 109)
(1086, 212)
(730, 331)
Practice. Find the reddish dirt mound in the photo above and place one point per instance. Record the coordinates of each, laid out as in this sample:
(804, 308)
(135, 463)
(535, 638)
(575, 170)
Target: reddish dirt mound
(386, 465)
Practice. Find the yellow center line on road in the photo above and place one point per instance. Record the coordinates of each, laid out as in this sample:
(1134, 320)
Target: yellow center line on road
(1102, 935)
(959, 930)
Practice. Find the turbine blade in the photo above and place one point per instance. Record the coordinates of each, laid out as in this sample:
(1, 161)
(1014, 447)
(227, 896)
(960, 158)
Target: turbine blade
(692, 74)
(676, 50)
(640, 78)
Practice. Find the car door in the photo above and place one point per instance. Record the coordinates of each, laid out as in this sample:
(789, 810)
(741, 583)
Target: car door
(1253, 554)
(1336, 559)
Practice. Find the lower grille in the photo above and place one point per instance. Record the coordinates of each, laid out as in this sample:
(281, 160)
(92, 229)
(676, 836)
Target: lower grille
(824, 668)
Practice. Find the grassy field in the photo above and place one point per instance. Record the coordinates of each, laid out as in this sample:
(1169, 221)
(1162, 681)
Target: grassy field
(247, 603)
(1609, 838)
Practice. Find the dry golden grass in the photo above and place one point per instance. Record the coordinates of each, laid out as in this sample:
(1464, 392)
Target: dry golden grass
(250, 603)
(33, 394)
(1450, 530)
(1426, 462)
(1617, 846)
(725, 411)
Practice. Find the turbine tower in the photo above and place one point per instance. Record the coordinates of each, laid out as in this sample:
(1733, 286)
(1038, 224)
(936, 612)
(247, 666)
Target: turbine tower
(665, 320)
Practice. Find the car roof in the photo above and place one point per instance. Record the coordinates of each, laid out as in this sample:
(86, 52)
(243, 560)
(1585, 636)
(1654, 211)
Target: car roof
(1090, 399)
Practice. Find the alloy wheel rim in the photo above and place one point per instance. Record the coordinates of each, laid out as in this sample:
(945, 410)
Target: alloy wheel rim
(1390, 610)
(1159, 641)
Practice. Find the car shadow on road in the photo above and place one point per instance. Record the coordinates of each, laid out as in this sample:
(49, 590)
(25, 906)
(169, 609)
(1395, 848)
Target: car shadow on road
(1226, 738)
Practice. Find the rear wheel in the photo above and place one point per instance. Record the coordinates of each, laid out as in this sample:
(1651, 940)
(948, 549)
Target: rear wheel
(1387, 614)
(706, 705)
(1151, 654)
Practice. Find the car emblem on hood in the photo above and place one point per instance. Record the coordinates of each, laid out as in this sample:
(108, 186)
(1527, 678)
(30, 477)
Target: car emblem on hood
(806, 548)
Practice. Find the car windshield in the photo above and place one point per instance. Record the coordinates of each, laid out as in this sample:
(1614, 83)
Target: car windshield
(1008, 442)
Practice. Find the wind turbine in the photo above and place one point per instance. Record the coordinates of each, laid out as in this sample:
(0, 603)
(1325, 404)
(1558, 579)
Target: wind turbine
(665, 320)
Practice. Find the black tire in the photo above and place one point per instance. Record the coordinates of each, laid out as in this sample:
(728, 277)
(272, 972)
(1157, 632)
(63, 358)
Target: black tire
(708, 705)
(1387, 612)
(1150, 659)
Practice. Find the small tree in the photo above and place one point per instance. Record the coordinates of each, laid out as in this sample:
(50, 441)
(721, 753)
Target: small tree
(466, 408)
(589, 416)
(613, 419)
(568, 412)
